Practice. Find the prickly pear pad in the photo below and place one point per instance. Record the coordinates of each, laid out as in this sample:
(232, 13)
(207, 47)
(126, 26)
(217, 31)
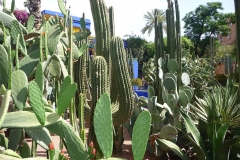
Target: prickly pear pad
(140, 134)
(36, 101)
(103, 124)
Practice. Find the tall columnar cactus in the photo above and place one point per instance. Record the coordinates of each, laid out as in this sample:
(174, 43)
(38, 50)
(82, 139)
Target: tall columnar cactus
(228, 64)
(130, 63)
(158, 53)
(102, 30)
(81, 78)
(173, 47)
(99, 83)
(123, 111)
(81, 117)
(119, 82)
(122, 101)
(111, 21)
(171, 85)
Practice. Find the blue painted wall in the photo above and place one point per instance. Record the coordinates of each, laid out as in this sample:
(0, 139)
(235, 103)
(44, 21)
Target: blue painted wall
(135, 67)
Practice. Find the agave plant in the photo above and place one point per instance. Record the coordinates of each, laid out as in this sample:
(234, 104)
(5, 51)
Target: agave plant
(220, 104)
(214, 134)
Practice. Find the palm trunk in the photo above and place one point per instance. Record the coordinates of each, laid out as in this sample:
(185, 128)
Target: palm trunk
(34, 8)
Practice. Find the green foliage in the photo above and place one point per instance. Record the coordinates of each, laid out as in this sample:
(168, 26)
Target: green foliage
(222, 50)
(173, 147)
(200, 71)
(149, 51)
(216, 137)
(208, 21)
(149, 69)
(136, 43)
(187, 44)
(219, 105)
(137, 81)
(140, 49)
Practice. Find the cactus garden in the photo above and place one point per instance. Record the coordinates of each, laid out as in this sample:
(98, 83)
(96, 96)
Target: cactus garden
(52, 88)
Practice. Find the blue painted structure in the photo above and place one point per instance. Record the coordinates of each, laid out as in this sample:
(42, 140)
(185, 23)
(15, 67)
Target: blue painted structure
(76, 20)
(135, 67)
(143, 93)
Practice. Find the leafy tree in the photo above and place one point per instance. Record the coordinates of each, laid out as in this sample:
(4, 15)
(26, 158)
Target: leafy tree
(222, 50)
(187, 44)
(141, 49)
(206, 21)
(150, 18)
(136, 43)
(149, 51)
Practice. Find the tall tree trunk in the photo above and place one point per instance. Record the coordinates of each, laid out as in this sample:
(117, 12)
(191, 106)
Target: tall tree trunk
(34, 8)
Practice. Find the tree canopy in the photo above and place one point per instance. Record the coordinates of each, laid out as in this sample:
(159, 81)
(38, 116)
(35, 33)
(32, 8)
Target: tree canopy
(206, 21)
(141, 49)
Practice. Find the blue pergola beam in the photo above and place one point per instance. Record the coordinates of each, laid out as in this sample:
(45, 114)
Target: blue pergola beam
(76, 20)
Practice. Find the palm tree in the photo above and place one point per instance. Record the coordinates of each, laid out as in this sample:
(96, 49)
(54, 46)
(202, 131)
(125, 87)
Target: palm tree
(34, 7)
(150, 18)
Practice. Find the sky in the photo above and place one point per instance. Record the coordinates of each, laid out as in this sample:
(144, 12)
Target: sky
(128, 14)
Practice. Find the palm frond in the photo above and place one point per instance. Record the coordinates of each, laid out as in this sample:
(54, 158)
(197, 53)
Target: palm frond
(150, 18)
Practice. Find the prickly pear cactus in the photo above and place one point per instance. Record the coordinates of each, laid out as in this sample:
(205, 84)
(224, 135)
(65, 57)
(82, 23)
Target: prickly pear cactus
(4, 106)
(36, 101)
(140, 134)
(3, 66)
(103, 125)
